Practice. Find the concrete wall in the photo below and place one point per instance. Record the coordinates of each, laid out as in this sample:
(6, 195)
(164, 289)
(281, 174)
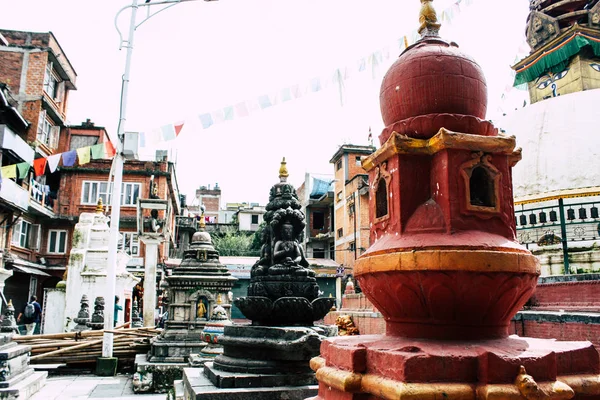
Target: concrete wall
(53, 320)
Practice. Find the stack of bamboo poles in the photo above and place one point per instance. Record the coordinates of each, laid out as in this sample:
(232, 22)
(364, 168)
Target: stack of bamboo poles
(86, 347)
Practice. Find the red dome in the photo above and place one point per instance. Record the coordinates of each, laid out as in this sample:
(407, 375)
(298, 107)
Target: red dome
(433, 77)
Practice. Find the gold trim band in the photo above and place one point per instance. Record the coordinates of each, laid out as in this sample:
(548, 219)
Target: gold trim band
(449, 260)
(389, 389)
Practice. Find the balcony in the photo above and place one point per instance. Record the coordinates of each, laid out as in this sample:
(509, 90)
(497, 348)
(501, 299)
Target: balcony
(186, 222)
(18, 147)
(14, 194)
(40, 200)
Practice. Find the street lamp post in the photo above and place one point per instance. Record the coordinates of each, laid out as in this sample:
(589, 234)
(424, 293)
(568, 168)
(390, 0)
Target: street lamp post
(107, 342)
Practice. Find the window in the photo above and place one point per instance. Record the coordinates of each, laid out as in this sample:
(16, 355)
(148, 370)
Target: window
(130, 243)
(50, 82)
(92, 191)
(338, 165)
(358, 161)
(318, 253)
(43, 130)
(340, 232)
(352, 246)
(20, 233)
(351, 209)
(57, 242)
(254, 219)
(318, 221)
(339, 196)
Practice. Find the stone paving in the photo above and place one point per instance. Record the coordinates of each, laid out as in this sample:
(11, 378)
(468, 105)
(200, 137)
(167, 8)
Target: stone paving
(82, 387)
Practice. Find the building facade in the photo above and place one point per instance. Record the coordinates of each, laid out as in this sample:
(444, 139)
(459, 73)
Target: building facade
(211, 199)
(316, 195)
(351, 204)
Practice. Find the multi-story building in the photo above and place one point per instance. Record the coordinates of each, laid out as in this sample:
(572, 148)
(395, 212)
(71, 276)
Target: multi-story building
(39, 206)
(249, 218)
(211, 198)
(316, 195)
(351, 204)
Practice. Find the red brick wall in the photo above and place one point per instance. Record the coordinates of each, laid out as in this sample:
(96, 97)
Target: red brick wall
(574, 296)
(10, 70)
(564, 331)
(368, 320)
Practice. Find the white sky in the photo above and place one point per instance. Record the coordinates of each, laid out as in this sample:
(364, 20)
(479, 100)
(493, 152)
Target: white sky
(198, 57)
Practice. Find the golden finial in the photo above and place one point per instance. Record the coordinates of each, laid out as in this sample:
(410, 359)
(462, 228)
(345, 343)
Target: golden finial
(428, 19)
(283, 172)
(99, 206)
(9, 303)
(219, 300)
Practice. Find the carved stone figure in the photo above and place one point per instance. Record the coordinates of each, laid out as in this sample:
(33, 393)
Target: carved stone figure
(142, 382)
(8, 322)
(346, 326)
(98, 315)
(136, 321)
(83, 316)
(282, 285)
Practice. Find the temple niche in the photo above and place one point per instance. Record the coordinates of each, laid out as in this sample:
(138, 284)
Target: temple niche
(198, 295)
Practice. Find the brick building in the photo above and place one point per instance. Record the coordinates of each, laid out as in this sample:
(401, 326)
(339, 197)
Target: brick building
(211, 198)
(38, 213)
(351, 207)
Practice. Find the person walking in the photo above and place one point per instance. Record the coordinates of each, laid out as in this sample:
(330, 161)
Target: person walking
(117, 309)
(31, 315)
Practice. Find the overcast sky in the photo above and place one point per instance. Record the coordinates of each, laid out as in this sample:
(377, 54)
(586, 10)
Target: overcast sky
(198, 57)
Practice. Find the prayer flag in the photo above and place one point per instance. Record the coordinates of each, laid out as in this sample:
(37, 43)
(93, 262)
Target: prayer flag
(228, 113)
(69, 158)
(168, 132)
(83, 154)
(315, 84)
(109, 149)
(178, 127)
(206, 120)
(10, 171)
(39, 166)
(218, 116)
(286, 94)
(142, 139)
(362, 64)
(53, 162)
(23, 170)
(98, 151)
(241, 109)
(264, 101)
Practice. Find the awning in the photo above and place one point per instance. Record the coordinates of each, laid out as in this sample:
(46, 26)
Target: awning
(31, 271)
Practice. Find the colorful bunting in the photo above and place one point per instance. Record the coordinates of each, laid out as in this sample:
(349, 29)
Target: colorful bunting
(168, 132)
(98, 151)
(83, 154)
(23, 169)
(110, 149)
(69, 158)
(39, 166)
(178, 127)
(10, 171)
(206, 120)
(241, 110)
(53, 161)
(264, 101)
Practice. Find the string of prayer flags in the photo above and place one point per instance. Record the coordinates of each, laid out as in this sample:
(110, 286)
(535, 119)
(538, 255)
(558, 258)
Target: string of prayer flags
(69, 158)
(83, 154)
(109, 150)
(39, 166)
(23, 169)
(10, 171)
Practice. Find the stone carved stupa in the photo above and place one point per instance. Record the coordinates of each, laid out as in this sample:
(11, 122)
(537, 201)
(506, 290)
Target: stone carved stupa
(195, 289)
(445, 268)
(272, 355)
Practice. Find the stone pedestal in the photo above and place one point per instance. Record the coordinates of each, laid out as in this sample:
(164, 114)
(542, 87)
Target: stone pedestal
(17, 377)
(383, 367)
(151, 262)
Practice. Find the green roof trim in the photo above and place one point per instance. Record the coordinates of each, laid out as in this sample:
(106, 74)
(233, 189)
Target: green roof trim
(557, 59)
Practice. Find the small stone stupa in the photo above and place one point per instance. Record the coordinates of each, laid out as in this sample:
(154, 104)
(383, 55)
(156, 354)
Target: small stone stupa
(196, 288)
(445, 268)
(272, 355)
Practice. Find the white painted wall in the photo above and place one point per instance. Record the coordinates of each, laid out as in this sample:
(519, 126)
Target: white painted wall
(54, 311)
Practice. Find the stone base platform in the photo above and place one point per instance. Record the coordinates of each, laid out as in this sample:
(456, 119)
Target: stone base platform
(382, 367)
(196, 386)
(26, 387)
(155, 377)
(17, 378)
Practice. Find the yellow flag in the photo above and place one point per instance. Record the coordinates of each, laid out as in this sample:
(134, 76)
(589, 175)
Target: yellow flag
(10, 171)
(83, 154)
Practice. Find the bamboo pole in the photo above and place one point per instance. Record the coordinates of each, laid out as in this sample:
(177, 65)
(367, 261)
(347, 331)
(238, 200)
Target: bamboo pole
(66, 349)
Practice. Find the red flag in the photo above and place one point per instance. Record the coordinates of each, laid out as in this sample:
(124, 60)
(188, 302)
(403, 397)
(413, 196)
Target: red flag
(39, 166)
(178, 127)
(109, 149)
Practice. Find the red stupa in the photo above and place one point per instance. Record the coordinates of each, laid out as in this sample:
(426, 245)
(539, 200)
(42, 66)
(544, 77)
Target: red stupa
(445, 268)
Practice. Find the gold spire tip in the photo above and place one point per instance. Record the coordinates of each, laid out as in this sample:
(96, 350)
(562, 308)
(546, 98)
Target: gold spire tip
(428, 19)
(283, 172)
(99, 206)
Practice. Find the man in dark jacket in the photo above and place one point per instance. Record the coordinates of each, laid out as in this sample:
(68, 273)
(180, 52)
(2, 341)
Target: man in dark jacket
(31, 315)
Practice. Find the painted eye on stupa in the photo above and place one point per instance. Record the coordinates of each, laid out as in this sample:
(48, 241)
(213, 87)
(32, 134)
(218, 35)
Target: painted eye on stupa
(595, 66)
(544, 83)
(560, 75)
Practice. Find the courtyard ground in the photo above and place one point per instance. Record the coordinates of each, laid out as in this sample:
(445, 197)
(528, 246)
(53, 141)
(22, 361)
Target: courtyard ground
(82, 387)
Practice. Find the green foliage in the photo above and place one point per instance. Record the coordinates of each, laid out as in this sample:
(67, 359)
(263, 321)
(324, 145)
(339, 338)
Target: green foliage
(257, 237)
(233, 243)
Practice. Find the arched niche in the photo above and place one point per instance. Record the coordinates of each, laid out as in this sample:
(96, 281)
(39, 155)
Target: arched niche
(482, 184)
(381, 191)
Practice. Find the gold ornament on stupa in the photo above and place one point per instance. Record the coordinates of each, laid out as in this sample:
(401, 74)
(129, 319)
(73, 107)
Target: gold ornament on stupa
(283, 172)
(99, 207)
(428, 19)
